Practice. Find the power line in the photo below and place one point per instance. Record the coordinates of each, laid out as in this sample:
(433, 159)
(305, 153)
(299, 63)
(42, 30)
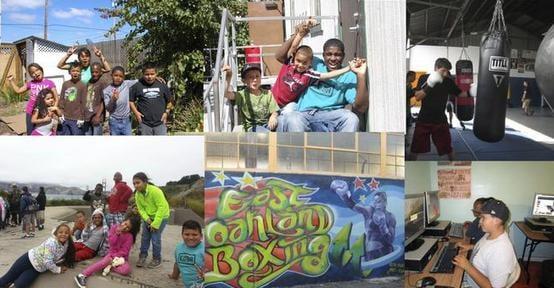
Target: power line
(56, 25)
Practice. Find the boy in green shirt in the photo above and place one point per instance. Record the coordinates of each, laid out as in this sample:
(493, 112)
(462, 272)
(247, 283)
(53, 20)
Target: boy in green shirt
(257, 107)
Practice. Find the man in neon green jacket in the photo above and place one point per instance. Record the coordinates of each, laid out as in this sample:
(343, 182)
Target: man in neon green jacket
(154, 211)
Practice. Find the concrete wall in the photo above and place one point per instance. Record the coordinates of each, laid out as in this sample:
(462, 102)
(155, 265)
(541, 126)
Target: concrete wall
(515, 183)
(298, 211)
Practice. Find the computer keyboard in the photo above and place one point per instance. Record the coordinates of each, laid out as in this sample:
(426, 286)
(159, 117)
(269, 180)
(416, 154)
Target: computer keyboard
(444, 263)
(456, 230)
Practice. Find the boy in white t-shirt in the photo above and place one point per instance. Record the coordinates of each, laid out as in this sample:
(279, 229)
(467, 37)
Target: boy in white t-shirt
(493, 258)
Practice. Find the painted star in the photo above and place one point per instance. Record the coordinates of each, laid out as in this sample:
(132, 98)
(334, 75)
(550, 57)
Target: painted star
(358, 184)
(363, 198)
(374, 184)
(247, 180)
(220, 177)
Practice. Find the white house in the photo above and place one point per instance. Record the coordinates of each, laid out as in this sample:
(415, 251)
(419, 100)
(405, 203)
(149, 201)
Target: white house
(46, 53)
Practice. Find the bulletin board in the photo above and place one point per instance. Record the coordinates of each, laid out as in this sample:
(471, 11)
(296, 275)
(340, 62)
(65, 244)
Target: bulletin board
(454, 179)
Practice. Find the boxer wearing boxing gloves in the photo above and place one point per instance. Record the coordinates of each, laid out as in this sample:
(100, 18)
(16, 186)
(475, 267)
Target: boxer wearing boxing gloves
(432, 122)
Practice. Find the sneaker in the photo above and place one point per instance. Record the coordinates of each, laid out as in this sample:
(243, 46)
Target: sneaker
(141, 262)
(25, 236)
(81, 281)
(155, 263)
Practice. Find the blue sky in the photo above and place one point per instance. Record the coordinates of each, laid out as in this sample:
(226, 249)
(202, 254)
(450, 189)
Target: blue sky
(18, 14)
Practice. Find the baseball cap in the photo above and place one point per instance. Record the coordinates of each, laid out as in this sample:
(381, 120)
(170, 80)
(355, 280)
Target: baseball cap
(497, 209)
(249, 67)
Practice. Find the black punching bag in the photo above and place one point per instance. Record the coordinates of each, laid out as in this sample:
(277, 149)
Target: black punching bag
(544, 66)
(493, 80)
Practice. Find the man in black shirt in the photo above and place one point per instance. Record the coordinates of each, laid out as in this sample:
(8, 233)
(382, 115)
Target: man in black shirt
(431, 121)
(150, 101)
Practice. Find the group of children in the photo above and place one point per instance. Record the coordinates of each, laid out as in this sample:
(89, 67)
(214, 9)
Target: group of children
(259, 108)
(81, 106)
(68, 245)
(110, 233)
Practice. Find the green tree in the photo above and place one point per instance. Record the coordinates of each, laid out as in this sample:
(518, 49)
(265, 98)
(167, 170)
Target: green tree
(173, 34)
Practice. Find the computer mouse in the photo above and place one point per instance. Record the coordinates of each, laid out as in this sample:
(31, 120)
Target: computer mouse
(428, 281)
(445, 239)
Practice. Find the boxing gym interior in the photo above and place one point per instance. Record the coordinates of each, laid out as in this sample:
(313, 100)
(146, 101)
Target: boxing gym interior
(499, 121)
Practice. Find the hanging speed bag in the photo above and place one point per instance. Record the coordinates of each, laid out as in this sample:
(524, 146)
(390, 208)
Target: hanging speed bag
(544, 66)
(492, 87)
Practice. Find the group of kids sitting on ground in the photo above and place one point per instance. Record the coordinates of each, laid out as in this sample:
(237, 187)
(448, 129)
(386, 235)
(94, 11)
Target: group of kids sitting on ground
(111, 236)
(310, 94)
(81, 107)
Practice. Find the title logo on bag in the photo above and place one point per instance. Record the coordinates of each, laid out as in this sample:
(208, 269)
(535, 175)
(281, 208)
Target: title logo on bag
(499, 64)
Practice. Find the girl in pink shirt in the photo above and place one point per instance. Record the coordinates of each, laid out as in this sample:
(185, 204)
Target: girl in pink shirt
(120, 238)
(34, 86)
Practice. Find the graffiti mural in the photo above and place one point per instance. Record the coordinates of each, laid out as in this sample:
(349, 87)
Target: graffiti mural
(265, 230)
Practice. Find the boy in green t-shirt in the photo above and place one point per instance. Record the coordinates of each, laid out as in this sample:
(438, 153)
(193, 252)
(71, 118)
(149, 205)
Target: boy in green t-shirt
(257, 107)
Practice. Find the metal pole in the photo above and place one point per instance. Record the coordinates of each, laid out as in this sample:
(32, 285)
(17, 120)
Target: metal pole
(45, 20)
(0, 22)
(217, 104)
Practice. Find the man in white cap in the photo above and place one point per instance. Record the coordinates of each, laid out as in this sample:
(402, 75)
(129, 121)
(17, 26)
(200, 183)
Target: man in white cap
(493, 258)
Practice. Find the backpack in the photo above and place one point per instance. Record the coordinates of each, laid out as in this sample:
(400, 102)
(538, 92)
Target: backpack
(32, 205)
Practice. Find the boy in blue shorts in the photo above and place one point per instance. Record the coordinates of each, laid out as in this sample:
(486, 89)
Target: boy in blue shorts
(189, 256)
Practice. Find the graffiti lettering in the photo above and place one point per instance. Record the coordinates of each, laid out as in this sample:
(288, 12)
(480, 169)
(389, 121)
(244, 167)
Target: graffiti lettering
(259, 235)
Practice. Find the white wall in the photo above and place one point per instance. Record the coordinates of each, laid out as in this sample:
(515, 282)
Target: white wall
(329, 28)
(49, 62)
(422, 57)
(515, 183)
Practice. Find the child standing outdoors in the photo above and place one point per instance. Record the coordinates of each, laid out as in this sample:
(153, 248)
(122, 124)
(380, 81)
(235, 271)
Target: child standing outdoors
(116, 100)
(121, 238)
(150, 101)
(54, 254)
(45, 115)
(154, 211)
(257, 107)
(94, 105)
(189, 256)
(72, 102)
(34, 86)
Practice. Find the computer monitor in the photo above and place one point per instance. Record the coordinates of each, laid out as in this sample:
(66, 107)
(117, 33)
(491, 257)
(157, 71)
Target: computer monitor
(414, 222)
(543, 206)
(432, 207)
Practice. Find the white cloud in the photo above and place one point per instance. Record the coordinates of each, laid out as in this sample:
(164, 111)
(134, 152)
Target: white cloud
(22, 17)
(82, 161)
(10, 5)
(74, 13)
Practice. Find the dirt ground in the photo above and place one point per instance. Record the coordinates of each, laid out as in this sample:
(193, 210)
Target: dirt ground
(10, 110)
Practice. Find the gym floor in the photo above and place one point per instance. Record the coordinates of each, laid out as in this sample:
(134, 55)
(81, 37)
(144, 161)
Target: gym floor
(527, 138)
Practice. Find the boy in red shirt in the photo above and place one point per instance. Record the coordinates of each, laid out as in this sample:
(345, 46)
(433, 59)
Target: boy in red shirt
(118, 201)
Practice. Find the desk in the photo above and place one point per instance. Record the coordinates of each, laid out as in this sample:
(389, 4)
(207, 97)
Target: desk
(443, 279)
(532, 239)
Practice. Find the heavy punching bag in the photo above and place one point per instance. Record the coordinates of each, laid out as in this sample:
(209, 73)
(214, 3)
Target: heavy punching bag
(544, 66)
(464, 78)
(493, 79)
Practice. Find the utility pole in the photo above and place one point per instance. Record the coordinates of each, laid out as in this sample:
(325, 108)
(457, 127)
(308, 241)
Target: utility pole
(45, 20)
(0, 22)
